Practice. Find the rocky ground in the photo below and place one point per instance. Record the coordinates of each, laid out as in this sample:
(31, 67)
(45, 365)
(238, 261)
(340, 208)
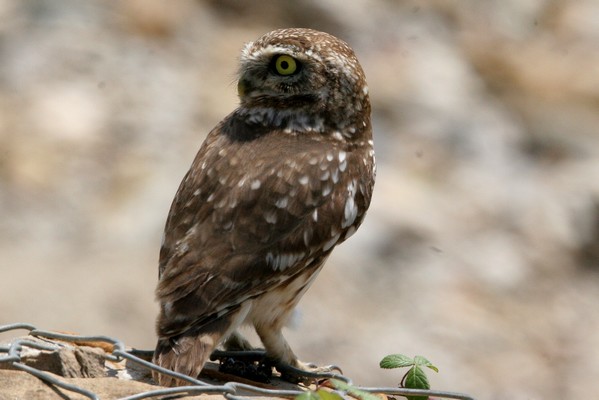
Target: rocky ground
(481, 248)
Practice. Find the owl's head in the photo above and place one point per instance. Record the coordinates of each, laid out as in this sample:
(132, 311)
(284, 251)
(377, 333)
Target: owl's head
(303, 79)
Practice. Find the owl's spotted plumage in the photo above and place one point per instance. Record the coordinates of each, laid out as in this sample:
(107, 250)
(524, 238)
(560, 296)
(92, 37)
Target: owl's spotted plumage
(274, 188)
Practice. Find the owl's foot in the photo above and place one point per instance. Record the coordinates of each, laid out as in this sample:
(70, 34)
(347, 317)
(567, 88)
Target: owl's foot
(307, 372)
(254, 367)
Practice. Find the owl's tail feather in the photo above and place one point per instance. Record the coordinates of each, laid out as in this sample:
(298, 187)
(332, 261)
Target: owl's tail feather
(186, 354)
(188, 351)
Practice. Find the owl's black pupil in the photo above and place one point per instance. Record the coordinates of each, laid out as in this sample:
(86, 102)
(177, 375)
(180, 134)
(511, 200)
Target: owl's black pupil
(284, 64)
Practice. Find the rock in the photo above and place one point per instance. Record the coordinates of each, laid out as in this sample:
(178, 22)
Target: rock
(81, 362)
(21, 385)
(68, 360)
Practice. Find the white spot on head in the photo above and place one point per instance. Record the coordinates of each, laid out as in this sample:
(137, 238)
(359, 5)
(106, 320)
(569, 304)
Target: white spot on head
(315, 215)
(329, 156)
(197, 192)
(342, 156)
(327, 190)
(210, 198)
(337, 135)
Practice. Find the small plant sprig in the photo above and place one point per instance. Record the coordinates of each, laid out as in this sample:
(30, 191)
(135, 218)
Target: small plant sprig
(322, 394)
(415, 378)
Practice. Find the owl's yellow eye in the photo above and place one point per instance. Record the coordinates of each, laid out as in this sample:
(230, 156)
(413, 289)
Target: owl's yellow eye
(285, 65)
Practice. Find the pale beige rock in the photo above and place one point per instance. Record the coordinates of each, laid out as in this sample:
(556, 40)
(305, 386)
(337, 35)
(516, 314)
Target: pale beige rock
(17, 385)
(68, 360)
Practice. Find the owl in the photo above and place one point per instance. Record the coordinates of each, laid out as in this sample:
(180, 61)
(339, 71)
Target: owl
(275, 186)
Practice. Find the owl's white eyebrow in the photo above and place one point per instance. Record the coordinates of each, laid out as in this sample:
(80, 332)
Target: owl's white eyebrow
(270, 50)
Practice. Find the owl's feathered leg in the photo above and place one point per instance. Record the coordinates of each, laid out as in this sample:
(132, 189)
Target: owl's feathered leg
(279, 351)
(236, 342)
(276, 346)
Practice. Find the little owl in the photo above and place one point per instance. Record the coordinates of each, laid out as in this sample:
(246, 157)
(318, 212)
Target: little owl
(274, 188)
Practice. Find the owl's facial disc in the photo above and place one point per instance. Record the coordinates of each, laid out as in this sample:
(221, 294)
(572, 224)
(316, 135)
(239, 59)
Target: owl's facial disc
(304, 80)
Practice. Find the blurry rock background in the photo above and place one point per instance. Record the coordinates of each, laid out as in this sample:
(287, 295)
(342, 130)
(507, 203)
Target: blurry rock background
(481, 248)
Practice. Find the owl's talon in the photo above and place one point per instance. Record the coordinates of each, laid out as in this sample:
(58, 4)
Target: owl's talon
(307, 372)
(333, 368)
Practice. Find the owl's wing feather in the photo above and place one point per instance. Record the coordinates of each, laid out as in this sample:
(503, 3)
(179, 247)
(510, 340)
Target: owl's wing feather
(243, 220)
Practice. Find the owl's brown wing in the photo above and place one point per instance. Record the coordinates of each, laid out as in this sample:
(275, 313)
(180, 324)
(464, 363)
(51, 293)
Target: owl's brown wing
(244, 220)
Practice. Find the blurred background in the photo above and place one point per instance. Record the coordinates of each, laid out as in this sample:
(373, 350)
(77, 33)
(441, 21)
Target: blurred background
(481, 247)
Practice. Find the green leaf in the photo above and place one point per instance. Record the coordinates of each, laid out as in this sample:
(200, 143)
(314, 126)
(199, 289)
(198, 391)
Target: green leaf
(310, 395)
(423, 362)
(396, 361)
(416, 379)
(355, 392)
(320, 394)
(326, 395)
